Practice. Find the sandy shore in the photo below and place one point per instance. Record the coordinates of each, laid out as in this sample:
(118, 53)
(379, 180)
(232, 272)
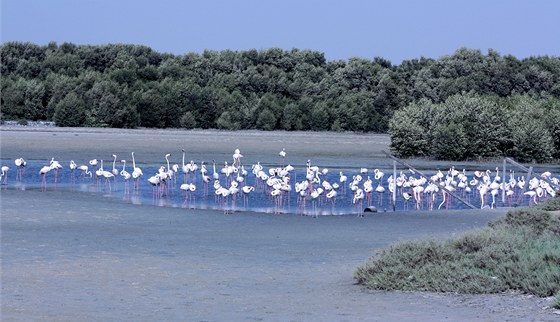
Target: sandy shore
(83, 257)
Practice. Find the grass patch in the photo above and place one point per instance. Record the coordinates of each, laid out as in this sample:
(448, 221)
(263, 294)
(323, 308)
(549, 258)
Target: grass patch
(520, 252)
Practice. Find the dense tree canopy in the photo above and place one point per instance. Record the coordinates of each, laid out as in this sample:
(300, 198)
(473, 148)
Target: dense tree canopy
(121, 85)
(472, 127)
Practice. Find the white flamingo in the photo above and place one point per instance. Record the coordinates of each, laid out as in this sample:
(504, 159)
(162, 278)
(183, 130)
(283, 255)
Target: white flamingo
(136, 173)
(20, 164)
(4, 174)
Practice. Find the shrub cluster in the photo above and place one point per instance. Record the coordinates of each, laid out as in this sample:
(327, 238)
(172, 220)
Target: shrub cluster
(520, 252)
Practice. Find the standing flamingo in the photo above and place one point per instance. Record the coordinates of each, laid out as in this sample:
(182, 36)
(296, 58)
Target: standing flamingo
(314, 198)
(136, 173)
(93, 164)
(282, 156)
(155, 181)
(188, 187)
(73, 167)
(115, 171)
(43, 172)
(357, 201)
(380, 190)
(184, 168)
(56, 166)
(4, 174)
(85, 171)
(237, 158)
(126, 177)
(20, 164)
(331, 195)
(108, 175)
(246, 191)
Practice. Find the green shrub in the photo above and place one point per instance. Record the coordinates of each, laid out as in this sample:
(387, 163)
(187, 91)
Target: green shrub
(556, 304)
(552, 204)
(519, 252)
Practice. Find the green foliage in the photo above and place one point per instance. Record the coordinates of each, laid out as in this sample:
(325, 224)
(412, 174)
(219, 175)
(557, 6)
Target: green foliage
(409, 130)
(188, 120)
(70, 111)
(534, 218)
(520, 252)
(449, 141)
(470, 127)
(266, 120)
(472, 104)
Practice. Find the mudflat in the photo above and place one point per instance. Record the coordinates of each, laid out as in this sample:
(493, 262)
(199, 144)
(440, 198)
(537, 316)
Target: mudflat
(69, 256)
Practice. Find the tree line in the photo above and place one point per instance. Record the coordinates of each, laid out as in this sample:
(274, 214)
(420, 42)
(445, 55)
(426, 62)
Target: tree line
(475, 127)
(119, 85)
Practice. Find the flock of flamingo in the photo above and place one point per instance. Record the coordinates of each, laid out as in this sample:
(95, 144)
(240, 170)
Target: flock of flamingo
(318, 189)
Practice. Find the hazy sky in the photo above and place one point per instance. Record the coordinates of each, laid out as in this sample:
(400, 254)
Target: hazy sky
(392, 29)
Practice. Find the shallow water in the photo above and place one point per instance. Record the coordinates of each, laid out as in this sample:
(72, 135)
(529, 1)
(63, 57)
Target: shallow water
(261, 199)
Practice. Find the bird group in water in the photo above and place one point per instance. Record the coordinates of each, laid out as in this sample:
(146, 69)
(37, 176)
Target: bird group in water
(316, 193)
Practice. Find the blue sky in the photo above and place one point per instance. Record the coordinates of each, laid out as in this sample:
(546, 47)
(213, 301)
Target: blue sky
(392, 29)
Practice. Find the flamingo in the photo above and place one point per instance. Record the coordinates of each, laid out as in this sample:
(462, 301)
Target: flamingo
(406, 197)
(105, 174)
(358, 199)
(99, 173)
(73, 167)
(136, 173)
(4, 174)
(56, 166)
(223, 194)
(314, 197)
(378, 175)
(85, 170)
(43, 172)
(233, 190)
(188, 187)
(20, 164)
(184, 168)
(246, 191)
(115, 171)
(205, 181)
(494, 193)
(108, 175)
(215, 174)
(380, 190)
(331, 195)
(532, 194)
(240, 179)
(483, 190)
(93, 164)
(368, 189)
(169, 171)
(163, 176)
(282, 156)
(342, 181)
(192, 168)
(237, 158)
(155, 181)
(126, 176)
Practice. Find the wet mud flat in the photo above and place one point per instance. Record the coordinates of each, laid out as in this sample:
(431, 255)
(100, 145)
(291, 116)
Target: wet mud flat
(81, 256)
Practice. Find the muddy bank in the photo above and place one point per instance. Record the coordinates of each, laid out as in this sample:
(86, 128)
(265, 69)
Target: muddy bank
(80, 256)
